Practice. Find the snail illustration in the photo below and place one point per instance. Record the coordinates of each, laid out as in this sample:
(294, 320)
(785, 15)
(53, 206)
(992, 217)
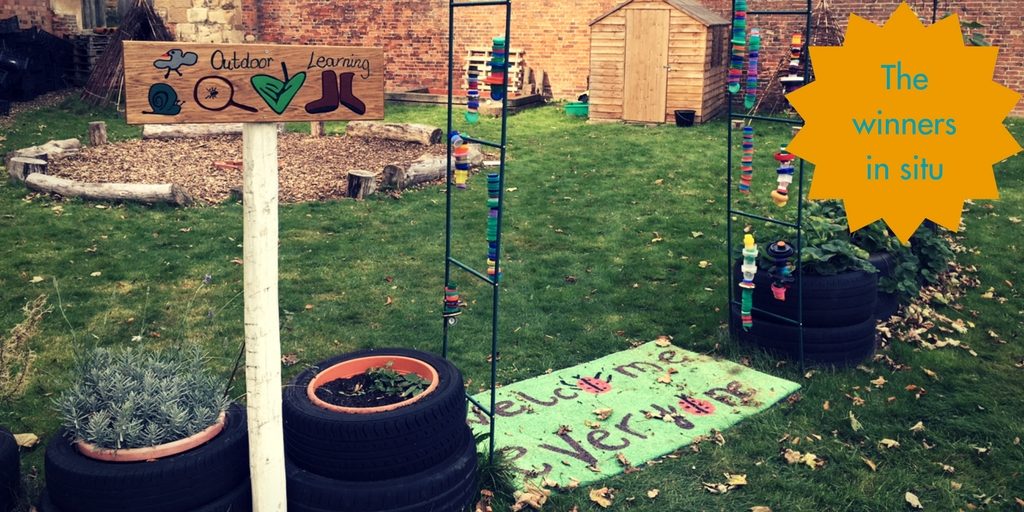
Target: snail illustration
(163, 99)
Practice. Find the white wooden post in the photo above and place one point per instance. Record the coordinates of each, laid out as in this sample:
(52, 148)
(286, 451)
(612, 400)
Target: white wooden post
(262, 329)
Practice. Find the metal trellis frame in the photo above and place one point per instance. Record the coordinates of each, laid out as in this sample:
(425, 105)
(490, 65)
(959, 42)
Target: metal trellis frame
(449, 261)
(797, 226)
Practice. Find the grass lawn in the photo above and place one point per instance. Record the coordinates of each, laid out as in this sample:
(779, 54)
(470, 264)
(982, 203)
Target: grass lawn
(617, 207)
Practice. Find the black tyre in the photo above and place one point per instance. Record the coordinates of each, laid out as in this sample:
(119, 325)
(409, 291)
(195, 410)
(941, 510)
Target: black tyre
(10, 470)
(838, 345)
(449, 486)
(828, 301)
(238, 500)
(888, 305)
(181, 483)
(365, 447)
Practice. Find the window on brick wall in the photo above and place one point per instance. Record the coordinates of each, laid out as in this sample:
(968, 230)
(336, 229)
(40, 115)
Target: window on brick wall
(717, 46)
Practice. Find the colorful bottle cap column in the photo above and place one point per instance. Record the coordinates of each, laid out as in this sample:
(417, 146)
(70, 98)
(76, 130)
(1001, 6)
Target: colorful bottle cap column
(794, 80)
(747, 160)
(472, 95)
(754, 52)
(781, 194)
(780, 252)
(452, 304)
(493, 191)
(739, 43)
(462, 165)
(499, 66)
(749, 269)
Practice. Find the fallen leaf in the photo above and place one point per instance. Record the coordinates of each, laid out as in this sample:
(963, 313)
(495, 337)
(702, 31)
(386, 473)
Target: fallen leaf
(26, 440)
(621, 457)
(532, 496)
(573, 483)
(930, 373)
(665, 379)
(871, 464)
(237, 261)
(946, 468)
(653, 493)
(36, 279)
(918, 427)
(696, 234)
(855, 423)
(309, 307)
(812, 461)
(547, 482)
(290, 359)
(388, 301)
(825, 406)
(760, 508)
(663, 341)
(956, 486)
(791, 456)
(736, 480)
(603, 497)
(657, 238)
(603, 413)
(889, 443)
(96, 274)
(879, 382)
(704, 264)
(912, 500)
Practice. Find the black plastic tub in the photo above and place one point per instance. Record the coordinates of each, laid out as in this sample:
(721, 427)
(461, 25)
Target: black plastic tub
(685, 118)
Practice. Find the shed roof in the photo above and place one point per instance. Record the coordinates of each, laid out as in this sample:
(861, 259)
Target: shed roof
(702, 14)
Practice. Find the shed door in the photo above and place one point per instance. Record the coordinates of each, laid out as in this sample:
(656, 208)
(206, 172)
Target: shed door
(646, 77)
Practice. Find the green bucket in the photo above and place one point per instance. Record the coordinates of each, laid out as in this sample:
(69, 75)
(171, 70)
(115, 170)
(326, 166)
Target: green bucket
(577, 109)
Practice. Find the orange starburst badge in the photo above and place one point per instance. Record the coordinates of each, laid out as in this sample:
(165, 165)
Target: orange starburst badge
(903, 122)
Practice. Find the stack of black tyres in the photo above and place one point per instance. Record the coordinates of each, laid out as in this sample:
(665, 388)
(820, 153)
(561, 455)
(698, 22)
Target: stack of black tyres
(418, 458)
(213, 477)
(838, 317)
(10, 471)
(888, 303)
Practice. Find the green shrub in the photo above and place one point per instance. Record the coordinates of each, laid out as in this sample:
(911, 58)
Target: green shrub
(134, 398)
(827, 247)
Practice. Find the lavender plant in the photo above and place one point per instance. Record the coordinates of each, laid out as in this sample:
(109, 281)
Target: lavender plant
(133, 398)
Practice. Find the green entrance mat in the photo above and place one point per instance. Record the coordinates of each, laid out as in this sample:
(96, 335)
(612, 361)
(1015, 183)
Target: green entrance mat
(641, 403)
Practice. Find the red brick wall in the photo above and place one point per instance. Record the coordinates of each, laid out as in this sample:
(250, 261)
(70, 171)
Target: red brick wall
(30, 13)
(556, 35)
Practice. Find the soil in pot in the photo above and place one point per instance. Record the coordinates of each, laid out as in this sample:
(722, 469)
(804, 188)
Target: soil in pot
(359, 391)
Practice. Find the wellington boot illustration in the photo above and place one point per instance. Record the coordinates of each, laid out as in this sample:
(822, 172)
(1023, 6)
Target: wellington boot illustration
(337, 90)
(328, 101)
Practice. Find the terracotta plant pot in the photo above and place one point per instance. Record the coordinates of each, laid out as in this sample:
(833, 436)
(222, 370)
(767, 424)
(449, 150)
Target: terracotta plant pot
(353, 367)
(152, 452)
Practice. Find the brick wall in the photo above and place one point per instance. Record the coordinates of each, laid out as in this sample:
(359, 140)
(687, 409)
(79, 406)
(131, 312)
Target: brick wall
(556, 35)
(30, 13)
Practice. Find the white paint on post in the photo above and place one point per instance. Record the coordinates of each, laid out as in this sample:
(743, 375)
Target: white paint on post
(262, 329)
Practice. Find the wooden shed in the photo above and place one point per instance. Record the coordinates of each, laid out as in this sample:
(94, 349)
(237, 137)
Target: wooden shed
(649, 58)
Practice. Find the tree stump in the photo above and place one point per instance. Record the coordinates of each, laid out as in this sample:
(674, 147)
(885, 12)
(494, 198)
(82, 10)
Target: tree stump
(317, 129)
(361, 184)
(427, 168)
(418, 133)
(20, 167)
(97, 133)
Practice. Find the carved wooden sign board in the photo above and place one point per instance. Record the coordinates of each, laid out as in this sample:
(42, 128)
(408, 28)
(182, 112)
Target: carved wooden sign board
(173, 82)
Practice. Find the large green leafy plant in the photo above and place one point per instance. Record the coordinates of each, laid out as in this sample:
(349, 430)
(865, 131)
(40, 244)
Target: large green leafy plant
(827, 247)
(134, 398)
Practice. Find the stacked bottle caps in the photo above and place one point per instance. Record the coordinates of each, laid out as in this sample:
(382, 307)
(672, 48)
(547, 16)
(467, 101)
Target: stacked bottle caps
(747, 161)
(498, 65)
(749, 269)
(452, 307)
(493, 191)
(472, 95)
(739, 43)
(781, 194)
(461, 152)
(754, 52)
(780, 252)
(794, 80)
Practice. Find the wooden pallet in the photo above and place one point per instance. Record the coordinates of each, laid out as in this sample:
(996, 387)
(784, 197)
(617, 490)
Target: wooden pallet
(87, 50)
(477, 58)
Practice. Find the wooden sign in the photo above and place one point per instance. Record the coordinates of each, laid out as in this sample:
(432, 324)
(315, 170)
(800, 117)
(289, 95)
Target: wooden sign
(172, 82)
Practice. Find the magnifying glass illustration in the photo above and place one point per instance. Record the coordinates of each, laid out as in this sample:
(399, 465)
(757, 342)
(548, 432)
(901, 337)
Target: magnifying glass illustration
(216, 93)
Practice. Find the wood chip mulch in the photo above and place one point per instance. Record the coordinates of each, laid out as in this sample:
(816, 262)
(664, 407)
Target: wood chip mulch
(311, 169)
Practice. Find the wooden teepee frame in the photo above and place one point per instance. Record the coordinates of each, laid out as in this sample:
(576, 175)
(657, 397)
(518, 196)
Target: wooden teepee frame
(106, 82)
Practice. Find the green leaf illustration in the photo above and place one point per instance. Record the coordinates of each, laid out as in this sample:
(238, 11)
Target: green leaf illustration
(276, 92)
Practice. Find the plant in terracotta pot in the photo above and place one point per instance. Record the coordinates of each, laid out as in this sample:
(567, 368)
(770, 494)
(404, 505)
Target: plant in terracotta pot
(398, 419)
(133, 418)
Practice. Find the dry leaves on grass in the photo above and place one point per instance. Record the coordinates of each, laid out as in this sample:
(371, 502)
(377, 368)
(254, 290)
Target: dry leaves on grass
(312, 169)
(602, 496)
(653, 493)
(531, 497)
(26, 440)
(891, 444)
(913, 500)
(603, 413)
(732, 481)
